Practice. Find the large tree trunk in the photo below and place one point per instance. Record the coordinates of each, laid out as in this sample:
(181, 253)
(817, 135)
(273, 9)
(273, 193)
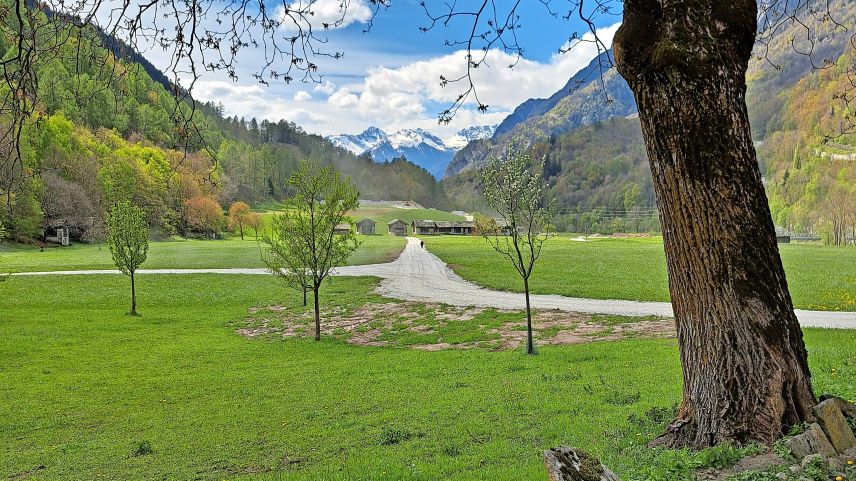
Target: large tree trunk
(744, 363)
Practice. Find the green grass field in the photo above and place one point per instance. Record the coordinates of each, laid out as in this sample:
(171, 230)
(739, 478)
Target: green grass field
(176, 254)
(88, 393)
(819, 277)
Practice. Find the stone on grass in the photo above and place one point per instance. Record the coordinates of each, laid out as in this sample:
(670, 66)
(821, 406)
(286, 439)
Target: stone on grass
(812, 441)
(847, 408)
(572, 464)
(832, 420)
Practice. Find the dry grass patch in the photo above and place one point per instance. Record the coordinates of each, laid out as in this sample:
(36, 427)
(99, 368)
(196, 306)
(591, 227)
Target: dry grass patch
(434, 327)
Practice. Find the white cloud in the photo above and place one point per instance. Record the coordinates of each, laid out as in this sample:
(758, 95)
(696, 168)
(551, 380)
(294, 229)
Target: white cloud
(343, 99)
(300, 14)
(402, 92)
(408, 96)
(326, 87)
(302, 95)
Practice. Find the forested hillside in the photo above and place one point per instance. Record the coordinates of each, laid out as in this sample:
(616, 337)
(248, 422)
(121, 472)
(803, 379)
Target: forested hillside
(105, 130)
(797, 113)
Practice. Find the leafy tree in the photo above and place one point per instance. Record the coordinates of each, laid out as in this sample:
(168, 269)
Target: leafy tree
(128, 238)
(205, 214)
(484, 225)
(303, 249)
(255, 222)
(239, 214)
(514, 188)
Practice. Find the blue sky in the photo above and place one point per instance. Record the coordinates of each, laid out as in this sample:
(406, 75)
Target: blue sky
(390, 76)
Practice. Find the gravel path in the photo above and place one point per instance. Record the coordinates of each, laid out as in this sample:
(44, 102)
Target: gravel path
(418, 275)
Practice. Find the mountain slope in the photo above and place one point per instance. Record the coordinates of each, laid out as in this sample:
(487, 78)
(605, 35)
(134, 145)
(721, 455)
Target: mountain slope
(590, 96)
(793, 107)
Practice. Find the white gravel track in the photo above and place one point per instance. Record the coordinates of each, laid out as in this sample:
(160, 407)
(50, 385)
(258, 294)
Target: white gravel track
(418, 275)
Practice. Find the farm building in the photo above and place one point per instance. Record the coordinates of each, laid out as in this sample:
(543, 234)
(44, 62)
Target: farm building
(342, 229)
(424, 227)
(366, 227)
(397, 227)
(454, 227)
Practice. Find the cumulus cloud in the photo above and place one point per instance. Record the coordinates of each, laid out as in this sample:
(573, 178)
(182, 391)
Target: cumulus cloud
(408, 96)
(401, 93)
(326, 87)
(332, 13)
(343, 99)
(302, 95)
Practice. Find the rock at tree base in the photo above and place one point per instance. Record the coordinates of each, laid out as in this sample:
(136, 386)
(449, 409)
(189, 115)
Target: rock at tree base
(847, 408)
(832, 420)
(812, 441)
(572, 464)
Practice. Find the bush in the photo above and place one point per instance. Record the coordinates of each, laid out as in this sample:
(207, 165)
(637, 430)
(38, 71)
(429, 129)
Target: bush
(142, 448)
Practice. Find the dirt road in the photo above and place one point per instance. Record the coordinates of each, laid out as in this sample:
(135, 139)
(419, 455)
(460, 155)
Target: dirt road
(418, 275)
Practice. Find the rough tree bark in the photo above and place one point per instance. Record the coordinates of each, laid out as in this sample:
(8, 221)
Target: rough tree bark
(744, 363)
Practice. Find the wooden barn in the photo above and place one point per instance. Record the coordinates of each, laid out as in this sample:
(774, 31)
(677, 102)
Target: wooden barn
(423, 227)
(453, 227)
(397, 227)
(366, 227)
(342, 229)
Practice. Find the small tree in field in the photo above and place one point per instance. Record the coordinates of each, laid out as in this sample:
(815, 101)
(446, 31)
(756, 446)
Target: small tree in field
(484, 225)
(239, 214)
(514, 187)
(128, 238)
(255, 222)
(205, 214)
(302, 246)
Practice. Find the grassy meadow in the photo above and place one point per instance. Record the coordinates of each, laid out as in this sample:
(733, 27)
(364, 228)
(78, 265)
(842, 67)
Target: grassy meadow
(89, 393)
(819, 277)
(177, 254)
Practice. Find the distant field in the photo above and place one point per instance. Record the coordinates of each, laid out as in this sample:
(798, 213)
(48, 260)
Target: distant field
(88, 393)
(379, 214)
(179, 254)
(819, 277)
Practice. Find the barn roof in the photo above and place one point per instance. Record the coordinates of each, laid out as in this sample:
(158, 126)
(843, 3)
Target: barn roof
(453, 223)
(396, 221)
(363, 221)
(344, 226)
(424, 223)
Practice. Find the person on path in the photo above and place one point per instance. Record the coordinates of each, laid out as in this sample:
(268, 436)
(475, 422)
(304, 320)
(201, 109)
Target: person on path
(422, 244)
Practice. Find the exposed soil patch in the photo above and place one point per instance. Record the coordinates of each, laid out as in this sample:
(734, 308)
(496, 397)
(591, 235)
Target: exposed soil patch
(434, 327)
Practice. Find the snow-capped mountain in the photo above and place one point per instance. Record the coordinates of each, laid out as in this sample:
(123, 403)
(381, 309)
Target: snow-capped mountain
(467, 135)
(417, 145)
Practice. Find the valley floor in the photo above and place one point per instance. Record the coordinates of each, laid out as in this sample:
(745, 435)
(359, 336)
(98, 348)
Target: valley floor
(180, 393)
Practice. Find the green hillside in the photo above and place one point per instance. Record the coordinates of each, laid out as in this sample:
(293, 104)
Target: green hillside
(599, 173)
(97, 138)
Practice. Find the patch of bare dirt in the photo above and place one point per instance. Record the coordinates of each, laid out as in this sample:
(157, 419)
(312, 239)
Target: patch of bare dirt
(382, 324)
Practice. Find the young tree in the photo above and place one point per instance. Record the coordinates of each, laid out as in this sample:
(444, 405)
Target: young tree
(255, 222)
(484, 225)
(514, 187)
(239, 214)
(205, 214)
(303, 249)
(128, 238)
